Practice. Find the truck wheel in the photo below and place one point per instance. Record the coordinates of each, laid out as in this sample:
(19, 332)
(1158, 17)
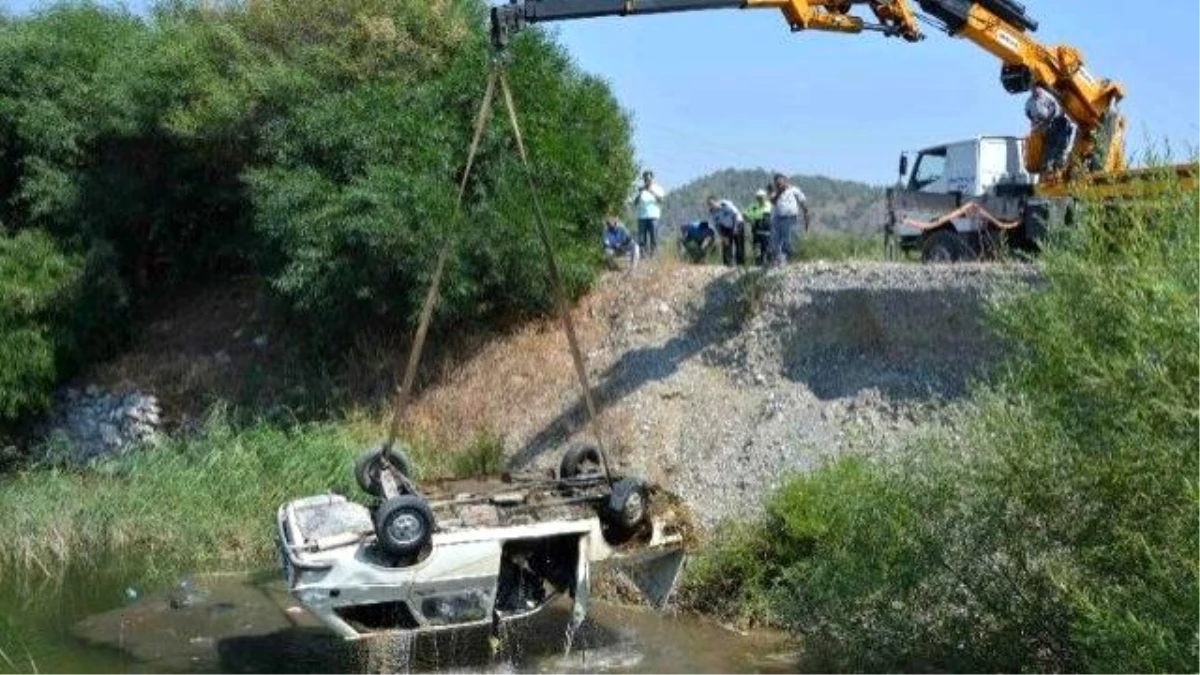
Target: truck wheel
(944, 246)
(372, 462)
(626, 507)
(582, 459)
(403, 525)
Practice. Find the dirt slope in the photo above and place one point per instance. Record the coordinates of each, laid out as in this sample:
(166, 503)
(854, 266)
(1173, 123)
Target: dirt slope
(719, 383)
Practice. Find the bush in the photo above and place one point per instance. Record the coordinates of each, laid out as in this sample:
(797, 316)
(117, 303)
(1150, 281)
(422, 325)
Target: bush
(362, 193)
(34, 274)
(1057, 529)
(1106, 370)
(317, 142)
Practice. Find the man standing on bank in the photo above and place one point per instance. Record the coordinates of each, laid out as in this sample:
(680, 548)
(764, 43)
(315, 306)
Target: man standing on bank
(758, 215)
(787, 205)
(648, 203)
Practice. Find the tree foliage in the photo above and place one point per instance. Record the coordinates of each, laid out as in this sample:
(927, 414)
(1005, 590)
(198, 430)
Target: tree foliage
(315, 142)
(33, 274)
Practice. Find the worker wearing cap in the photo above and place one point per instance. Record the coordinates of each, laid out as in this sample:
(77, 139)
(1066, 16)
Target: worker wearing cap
(758, 215)
(788, 204)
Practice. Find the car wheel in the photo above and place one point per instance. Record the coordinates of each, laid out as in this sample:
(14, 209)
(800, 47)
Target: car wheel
(627, 504)
(403, 525)
(371, 464)
(943, 247)
(580, 460)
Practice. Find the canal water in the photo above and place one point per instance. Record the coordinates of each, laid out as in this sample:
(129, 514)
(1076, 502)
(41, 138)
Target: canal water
(245, 623)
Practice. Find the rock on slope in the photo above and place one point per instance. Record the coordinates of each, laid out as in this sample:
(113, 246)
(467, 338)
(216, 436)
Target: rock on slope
(719, 383)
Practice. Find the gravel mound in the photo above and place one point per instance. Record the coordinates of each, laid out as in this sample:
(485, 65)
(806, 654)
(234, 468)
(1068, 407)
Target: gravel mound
(720, 383)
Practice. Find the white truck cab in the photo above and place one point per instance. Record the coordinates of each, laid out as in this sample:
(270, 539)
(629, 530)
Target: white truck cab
(972, 167)
(960, 200)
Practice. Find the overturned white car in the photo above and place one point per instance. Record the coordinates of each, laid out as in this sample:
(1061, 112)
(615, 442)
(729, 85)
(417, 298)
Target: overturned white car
(473, 553)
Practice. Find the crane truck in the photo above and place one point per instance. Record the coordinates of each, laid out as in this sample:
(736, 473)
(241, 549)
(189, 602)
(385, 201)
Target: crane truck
(963, 200)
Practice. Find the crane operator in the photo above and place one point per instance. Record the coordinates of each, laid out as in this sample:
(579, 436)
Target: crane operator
(1045, 114)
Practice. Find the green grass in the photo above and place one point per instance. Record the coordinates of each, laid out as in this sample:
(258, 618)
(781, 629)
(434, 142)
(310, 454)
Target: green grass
(1055, 529)
(827, 246)
(838, 247)
(203, 503)
(751, 289)
(206, 502)
(483, 456)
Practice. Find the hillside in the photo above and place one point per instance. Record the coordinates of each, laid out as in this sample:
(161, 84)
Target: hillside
(842, 205)
(802, 365)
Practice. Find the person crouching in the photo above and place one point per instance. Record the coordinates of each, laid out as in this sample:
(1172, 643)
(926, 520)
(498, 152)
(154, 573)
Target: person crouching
(732, 229)
(618, 243)
(695, 240)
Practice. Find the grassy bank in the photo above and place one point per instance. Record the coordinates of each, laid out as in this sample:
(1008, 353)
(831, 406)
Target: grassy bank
(204, 502)
(838, 247)
(1054, 528)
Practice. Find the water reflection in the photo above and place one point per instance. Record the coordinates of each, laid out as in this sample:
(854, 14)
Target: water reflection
(249, 625)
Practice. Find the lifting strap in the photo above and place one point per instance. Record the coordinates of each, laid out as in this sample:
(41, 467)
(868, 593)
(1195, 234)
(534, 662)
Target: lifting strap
(404, 389)
(560, 293)
(562, 304)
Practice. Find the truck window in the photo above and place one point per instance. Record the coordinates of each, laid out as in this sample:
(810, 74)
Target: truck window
(931, 165)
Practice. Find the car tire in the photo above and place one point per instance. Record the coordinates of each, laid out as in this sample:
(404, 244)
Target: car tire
(944, 246)
(403, 526)
(370, 464)
(627, 504)
(574, 462)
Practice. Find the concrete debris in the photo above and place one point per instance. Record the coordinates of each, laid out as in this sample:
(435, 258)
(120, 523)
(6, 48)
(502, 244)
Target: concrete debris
(91, 424)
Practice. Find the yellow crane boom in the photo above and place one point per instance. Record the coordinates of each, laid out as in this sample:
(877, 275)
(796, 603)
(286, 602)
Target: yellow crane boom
(1001, 27)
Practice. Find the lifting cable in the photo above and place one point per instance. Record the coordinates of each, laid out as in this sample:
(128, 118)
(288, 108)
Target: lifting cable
(562, 304)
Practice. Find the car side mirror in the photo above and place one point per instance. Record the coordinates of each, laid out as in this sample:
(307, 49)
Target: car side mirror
(903, 165)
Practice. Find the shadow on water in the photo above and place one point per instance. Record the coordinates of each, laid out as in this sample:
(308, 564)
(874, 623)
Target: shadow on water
(241, 624)
(526, 646)
(641, 366)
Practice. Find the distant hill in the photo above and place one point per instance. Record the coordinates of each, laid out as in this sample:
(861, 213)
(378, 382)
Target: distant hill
(841, 205)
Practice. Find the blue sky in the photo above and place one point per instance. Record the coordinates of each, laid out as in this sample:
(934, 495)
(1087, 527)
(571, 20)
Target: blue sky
(735, 88)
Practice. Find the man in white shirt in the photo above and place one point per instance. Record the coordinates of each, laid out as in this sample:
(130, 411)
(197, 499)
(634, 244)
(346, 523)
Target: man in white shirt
(731, 226)
(1046, 116)
(1041, 108)
(787, 205)
(648, 203)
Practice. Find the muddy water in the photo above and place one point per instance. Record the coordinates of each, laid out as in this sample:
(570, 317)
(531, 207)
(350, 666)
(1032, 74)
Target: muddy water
(247, 624)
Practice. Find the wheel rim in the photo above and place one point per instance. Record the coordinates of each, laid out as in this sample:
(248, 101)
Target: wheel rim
(406, 529)
(634, 506)
(940, 254)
